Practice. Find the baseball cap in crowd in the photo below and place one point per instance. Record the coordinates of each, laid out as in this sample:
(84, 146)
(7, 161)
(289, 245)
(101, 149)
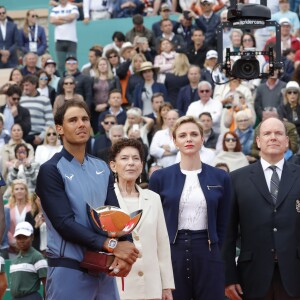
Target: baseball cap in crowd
(23, 228)
(285, 21)
(208, 1)
(165, 7)
(50, 62)
(211, 54)
(71, 57)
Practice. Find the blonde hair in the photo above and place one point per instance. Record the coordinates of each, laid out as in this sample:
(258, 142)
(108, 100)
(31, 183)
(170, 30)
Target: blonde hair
(12, 199)
(46, 132)
(183, 120)
(135, 57)
(34, 207)
(26, 23)
(109, 74)
(181, 64)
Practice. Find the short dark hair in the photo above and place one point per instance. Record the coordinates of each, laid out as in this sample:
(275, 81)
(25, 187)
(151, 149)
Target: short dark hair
(32, 79)
(197, 29)
(18, 146)
(137, 19)
(14, 89)
(97, 51)
(111, 51)
(205, 113)
(119, 36)
(61, 111)
(123, 143)
(165, 20)
(114, 91)
(155, 95)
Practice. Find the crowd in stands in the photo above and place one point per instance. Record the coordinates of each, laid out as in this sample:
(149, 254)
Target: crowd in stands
(137, 87)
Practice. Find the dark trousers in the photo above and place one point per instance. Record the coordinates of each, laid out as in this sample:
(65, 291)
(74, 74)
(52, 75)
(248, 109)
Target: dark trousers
(276, 290)
(198, 271)
(33, 296)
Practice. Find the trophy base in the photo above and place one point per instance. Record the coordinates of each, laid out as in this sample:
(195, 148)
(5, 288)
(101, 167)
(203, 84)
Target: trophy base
(96, 262)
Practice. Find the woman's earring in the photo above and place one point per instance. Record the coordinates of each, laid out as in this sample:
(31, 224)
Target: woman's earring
(140, 179)
(116, 177)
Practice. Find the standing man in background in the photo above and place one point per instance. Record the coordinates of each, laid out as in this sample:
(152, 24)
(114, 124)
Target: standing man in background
(265, 214)
(64, 17)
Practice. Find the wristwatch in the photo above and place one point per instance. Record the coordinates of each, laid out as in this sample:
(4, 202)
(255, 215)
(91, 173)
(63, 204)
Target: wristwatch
(112, 244)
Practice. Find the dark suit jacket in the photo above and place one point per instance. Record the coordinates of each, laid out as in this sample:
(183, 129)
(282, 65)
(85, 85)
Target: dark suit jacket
(215, 183)
(185, 97)
(10, 43)
(23, 118)
(264, 229)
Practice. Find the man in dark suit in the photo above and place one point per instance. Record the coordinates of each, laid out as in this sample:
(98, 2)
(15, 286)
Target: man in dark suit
(265, 211)
(9, 39)
(15, 113)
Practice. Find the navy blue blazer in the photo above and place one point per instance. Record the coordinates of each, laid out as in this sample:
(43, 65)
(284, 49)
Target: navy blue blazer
(215, 183)
(156, 88)
(10, 43)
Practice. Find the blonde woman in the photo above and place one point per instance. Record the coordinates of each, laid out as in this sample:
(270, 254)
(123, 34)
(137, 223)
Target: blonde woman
(50, 147)
(19, 205)
(104, 82)
(32, 36)
(177, 78)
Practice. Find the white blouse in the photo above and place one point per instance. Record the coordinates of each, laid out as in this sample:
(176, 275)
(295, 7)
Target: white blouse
(192, 205)
(45, 152)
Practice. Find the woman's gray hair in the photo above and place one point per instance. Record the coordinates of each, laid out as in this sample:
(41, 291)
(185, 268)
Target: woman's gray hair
(137, 112)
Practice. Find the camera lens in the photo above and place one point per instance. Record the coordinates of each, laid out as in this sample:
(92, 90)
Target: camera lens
(247, 68)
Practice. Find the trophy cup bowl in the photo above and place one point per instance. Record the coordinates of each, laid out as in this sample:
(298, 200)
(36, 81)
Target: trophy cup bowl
(116, 223)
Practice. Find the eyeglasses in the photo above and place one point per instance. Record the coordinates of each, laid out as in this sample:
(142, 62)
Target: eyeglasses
(21, 152)
(43, 78)
(247, 40)
(52, 133)
(34, 16)
(16, 98)
(68, 83)
(2, 12)
(204, 91)
(292, 92)
(71, 62)
(230, 139)
(242, 121)
(109, 122)
(206, 4)
(113, 56)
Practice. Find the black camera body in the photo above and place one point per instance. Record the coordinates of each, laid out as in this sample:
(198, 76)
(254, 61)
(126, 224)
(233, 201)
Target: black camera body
(247, 17)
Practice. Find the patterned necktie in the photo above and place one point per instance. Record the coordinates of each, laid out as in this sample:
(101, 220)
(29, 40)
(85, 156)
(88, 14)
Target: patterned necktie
(274, 184)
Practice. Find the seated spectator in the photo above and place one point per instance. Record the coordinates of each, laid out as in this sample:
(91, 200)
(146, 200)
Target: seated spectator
(245, 132)
(162, 147)
(177, 40)
(161, 122)
(157, 101)
(8, 151)
(196, 52)
(134, 117)
(177, 78)
(116, 132)
(36, 270)
(91, 67)
(135, 78)
(19, 205)
(68, 93)
(50, 146)
(15, 78)
(115, 109)
(8, 46)
(118, 39)
(127, 8)
(50, 68)
(144, 91)
(232, 153)
(104, 82)
(209, 136)
(239, 103)
(290, 109)
(291, 133)
(33, 36)
(165, 59)
(22, 168)
(206, 104)
(268, 94)
(209, 73)
(30, 64)
(36, 218)
(114, 59)
(188, 93)
(45, 89)
(194, 6)
(13, 112)
(102, 141)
